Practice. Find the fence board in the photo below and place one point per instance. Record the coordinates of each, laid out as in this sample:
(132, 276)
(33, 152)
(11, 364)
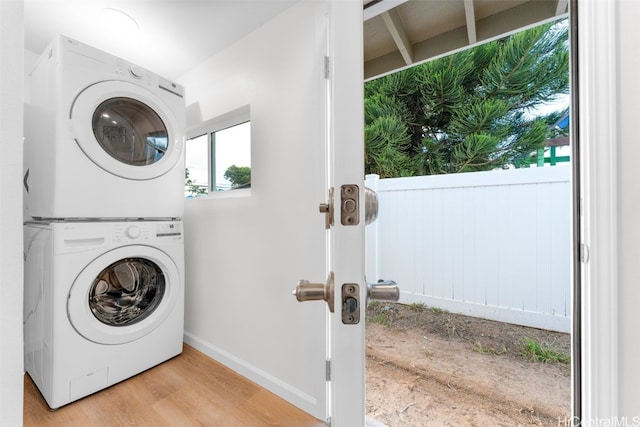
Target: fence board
(543, 239)
(492, 244)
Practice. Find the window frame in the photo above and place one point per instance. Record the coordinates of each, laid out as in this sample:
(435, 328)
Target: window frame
(228, 120)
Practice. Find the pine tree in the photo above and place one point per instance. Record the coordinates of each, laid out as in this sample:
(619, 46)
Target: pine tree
(467, 111)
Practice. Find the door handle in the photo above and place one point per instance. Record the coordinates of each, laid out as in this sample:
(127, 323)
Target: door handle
(386, 290)
(370, 205)
(307, 291)
(350, 295)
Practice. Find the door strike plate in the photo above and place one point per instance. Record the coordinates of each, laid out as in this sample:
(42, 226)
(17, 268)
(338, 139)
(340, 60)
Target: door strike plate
(350, 303)
(349, 204)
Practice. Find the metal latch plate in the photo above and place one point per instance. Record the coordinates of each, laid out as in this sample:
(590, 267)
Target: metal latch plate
(349, 204)
(350, 303)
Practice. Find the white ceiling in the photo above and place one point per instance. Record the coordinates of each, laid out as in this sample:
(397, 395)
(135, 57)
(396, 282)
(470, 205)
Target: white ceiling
(176, 35)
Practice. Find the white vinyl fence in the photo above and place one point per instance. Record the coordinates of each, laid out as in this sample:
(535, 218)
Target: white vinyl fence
(492, 244)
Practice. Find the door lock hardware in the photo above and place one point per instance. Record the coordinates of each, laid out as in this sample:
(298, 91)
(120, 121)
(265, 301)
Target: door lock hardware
(384, 290)
(349, 204)
(350, 303)
(327, 209)
(307, 291)
(370, 205)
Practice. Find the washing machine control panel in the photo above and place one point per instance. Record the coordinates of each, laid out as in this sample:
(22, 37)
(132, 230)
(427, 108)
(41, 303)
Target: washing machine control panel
(146, 231)
(128, 232)
(133, 231)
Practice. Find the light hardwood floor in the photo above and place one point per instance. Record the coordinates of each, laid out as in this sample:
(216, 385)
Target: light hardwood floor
(188, 390)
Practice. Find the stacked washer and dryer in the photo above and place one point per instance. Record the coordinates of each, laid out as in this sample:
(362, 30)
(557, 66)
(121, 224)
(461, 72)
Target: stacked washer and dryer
(104, 250)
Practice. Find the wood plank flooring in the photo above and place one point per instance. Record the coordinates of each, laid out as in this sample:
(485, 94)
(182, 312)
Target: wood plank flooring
(188, 390)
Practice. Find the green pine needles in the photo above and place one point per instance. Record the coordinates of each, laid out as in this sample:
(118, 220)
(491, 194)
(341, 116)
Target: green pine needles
(470, 111)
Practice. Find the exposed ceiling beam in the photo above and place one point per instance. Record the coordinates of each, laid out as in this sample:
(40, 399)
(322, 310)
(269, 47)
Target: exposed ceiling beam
(375, 8)
(470, 16)
(394, 24)
(489, 28)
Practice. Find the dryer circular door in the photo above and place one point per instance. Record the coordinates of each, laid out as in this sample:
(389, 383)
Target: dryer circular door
(126, 130)
(124, 294)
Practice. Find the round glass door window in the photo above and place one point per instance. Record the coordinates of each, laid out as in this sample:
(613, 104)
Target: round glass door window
(130, 131)
(127, 291)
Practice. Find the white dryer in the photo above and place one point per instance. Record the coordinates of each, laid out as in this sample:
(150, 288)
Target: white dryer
(103, 302)
(104, 137)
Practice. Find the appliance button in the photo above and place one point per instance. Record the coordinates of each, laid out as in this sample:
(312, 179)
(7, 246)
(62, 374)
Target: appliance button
(133, 232)
(136, 72)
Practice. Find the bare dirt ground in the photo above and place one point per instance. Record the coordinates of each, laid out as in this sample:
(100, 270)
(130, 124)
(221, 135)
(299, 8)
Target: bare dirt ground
(427, 367)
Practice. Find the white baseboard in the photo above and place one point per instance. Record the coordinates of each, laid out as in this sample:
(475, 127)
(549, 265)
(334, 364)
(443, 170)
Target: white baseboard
(282, 389)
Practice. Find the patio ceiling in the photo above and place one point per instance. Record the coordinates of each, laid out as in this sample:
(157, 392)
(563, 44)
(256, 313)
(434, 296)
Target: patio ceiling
(401, 33)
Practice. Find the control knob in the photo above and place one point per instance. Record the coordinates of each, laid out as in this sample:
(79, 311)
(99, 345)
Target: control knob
(132, 232)
(136, 71)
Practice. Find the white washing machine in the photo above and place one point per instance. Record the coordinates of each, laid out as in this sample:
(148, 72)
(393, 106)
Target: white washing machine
(100, 129)
(103, 302)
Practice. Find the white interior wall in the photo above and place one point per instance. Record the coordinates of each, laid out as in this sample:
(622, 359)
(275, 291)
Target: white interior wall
(11, 101)
(30, 59)
(628, 90)
(238, 259)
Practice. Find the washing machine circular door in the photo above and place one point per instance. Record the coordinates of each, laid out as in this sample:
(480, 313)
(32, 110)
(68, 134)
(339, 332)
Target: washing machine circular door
(126, 130)
(124, 294)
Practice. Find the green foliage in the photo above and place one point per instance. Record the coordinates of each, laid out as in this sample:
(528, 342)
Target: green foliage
(480, 348)
(467, 111)
(193, 188)
(238, 176)
(381, 319)
(418, 306)
(540, 352)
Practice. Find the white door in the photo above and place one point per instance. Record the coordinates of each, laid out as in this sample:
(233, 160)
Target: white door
(346, 164)
(246, 254)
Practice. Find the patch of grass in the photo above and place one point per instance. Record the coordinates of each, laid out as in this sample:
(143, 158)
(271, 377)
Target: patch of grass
(438, 310)
(418, 306)
(381, 319)
(479, 348)
(534, 351)
(374, 305)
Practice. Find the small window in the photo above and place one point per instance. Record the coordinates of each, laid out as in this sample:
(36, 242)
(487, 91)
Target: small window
(218, 155)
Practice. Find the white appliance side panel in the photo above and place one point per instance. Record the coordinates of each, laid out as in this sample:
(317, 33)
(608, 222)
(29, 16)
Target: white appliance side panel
(38, 289)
